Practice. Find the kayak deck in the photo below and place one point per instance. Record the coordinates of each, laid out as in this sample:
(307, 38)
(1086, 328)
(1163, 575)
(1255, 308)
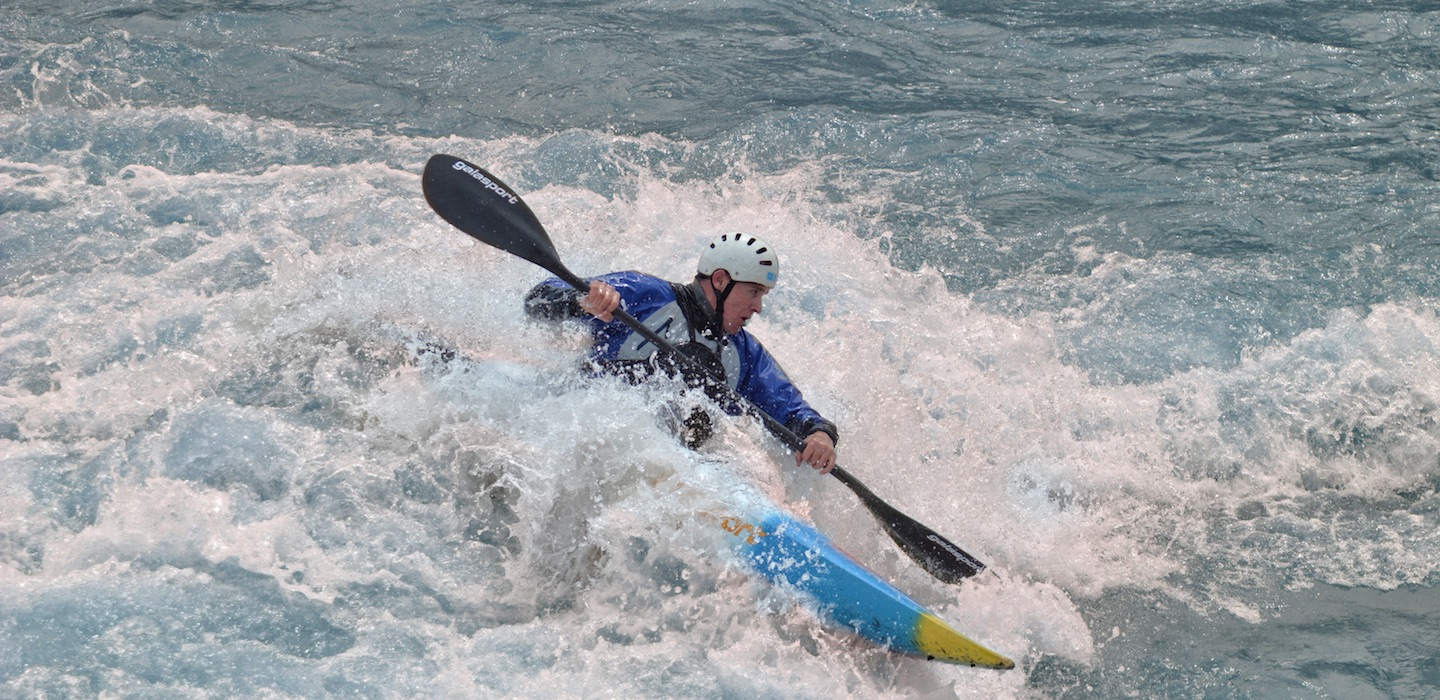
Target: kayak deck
(792, 553)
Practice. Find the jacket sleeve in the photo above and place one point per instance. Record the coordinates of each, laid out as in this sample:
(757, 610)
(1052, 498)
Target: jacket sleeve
(640, 294)
(767, 386)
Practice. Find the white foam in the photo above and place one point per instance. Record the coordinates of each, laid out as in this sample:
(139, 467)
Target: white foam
(309, 287)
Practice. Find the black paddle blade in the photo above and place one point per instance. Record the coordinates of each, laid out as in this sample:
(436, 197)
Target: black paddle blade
(935, 554)
(487, 209)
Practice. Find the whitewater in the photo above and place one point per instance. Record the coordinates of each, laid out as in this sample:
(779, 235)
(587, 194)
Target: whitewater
(1135, 301)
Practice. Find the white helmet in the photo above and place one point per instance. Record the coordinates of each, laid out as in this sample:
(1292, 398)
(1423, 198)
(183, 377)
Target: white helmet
(745, 257)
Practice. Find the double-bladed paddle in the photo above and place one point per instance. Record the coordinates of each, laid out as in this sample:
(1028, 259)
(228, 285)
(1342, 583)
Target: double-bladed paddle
(487, 209)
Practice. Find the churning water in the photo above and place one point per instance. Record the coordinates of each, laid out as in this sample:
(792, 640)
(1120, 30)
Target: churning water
(1133, 300)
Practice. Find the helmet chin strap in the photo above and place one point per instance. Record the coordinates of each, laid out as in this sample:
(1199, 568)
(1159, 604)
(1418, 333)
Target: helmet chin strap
(720, 297)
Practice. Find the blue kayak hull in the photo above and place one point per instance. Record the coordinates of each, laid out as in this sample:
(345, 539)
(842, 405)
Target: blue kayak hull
(792, 554)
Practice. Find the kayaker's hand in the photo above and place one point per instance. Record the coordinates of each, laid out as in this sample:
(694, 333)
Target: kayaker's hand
(819, 452)
(601, 302)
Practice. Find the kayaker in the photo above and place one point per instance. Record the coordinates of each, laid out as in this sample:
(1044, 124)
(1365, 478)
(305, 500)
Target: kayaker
(734, 274)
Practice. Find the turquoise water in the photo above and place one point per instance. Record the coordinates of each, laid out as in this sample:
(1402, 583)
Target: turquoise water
(1134, 301)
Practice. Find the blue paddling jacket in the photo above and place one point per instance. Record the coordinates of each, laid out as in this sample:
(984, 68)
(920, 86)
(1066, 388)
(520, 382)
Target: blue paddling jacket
(682, 315)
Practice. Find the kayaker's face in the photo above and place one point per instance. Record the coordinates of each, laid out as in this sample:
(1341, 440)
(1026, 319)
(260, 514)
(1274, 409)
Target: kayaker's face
(745, 300)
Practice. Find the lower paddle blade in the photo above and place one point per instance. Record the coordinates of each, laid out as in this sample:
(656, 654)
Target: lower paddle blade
(938, 556)
(487, 209)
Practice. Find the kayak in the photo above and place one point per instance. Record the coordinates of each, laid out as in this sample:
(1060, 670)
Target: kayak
(788, 552)
(785, 550)
(793, 555)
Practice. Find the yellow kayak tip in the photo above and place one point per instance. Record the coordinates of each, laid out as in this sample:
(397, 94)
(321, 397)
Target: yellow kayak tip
(939, 641)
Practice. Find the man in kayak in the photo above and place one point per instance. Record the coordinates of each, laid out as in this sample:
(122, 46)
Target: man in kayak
(735, 273)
